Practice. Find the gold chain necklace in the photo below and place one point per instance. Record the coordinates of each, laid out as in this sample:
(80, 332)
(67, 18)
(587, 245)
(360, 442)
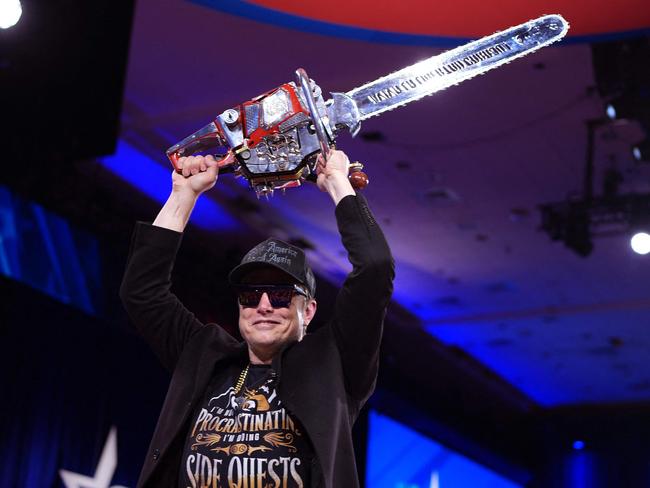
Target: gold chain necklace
(241, 379)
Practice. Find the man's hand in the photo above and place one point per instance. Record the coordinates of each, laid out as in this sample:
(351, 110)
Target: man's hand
(198, 174)
(332, 175)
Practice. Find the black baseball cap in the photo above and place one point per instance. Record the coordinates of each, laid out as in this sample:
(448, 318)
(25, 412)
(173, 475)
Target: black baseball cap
(280, 255)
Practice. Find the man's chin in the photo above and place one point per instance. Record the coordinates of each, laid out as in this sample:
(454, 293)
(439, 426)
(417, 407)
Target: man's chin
(264, 341)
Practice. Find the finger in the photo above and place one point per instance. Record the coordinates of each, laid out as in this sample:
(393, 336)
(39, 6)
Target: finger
(196, 166)
(227, 159)
(203, 165)
(320, 182)
(212, 172)
(333, 154)
(180, 163)
(337, 156)
(212, 162)
(187, 166)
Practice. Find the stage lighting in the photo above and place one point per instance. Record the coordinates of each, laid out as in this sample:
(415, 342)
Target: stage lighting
(640, 243)
(626, 106)
(10, 12)
(576, 222)
(569, 222)
(641, 151)
(578, 445)
(577, 233)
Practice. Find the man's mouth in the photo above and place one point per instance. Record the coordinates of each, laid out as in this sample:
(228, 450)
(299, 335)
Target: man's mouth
(266, 322)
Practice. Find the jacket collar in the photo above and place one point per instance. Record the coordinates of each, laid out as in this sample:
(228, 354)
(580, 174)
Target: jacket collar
(276, 363)
(238, 351)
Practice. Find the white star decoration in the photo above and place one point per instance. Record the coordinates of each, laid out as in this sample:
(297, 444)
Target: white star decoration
(434, 480)
(103, 473)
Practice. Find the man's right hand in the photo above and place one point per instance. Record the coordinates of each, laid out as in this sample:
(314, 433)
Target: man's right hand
(198, 174)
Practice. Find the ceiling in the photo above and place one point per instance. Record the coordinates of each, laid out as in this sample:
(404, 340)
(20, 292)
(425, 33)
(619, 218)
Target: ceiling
(456, 180)
(423, 22)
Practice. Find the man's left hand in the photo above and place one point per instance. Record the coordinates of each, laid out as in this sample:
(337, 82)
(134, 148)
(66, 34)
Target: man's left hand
(332, 175)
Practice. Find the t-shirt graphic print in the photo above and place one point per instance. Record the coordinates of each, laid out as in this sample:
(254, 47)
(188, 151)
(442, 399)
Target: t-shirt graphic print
(245, 439)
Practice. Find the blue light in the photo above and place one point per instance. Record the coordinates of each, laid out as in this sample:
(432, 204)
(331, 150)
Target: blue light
(578, 445)
(155, 181)
(581, 470)
(401, 457)
(44, 251)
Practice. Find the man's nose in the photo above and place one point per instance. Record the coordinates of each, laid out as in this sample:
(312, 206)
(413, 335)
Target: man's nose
(265, 303)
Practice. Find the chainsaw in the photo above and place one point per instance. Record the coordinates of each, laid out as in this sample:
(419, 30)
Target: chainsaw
(274, 139)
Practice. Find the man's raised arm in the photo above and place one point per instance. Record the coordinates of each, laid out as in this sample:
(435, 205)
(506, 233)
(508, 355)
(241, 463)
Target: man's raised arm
(362, 301)
(145, 291)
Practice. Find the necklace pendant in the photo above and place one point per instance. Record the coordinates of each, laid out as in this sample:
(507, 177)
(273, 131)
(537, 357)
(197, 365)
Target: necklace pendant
(239, 401)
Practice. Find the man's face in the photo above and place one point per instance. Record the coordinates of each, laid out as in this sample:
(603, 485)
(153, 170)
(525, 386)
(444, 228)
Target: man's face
(266, 328)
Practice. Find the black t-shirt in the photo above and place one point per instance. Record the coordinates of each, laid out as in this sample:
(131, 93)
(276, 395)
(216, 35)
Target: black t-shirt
(248, 440)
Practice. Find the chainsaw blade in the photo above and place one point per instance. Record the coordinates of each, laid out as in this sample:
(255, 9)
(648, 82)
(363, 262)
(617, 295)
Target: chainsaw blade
(455, 66)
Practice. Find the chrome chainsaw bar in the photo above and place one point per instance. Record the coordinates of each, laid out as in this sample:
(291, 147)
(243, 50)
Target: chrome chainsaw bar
(444, 70)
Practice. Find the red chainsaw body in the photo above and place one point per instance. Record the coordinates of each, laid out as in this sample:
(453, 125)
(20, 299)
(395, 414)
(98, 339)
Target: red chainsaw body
(260, 129)
(270, 140)
(247, 129)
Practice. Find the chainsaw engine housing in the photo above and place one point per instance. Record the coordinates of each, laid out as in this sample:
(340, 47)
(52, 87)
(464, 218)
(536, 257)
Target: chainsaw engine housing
(271, 136)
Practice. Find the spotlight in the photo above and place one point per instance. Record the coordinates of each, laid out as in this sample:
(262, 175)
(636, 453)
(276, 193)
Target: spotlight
(10, 12)
(626, 106)
(640, 243)
(578, 445)
(641, 151)
(610, 110)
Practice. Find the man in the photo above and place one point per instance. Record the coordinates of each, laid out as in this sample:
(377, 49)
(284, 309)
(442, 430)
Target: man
(276, 410)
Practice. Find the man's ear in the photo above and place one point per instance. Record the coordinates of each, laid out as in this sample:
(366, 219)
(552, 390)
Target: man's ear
(310, 310)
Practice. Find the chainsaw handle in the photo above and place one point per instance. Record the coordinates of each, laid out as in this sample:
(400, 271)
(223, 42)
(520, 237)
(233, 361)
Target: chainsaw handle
(202, 141)
(323, 140)
(358, 178)
(226, 164)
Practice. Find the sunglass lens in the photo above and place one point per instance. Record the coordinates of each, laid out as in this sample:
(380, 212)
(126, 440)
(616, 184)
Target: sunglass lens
(249, 298)
(280, 297)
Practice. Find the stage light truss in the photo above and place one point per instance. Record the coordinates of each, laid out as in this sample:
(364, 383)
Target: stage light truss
(576, 221)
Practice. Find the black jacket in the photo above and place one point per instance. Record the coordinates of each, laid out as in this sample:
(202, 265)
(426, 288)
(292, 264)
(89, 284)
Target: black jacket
(324, 380)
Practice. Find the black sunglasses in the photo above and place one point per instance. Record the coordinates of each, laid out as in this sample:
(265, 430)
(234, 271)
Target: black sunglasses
(280, 296)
